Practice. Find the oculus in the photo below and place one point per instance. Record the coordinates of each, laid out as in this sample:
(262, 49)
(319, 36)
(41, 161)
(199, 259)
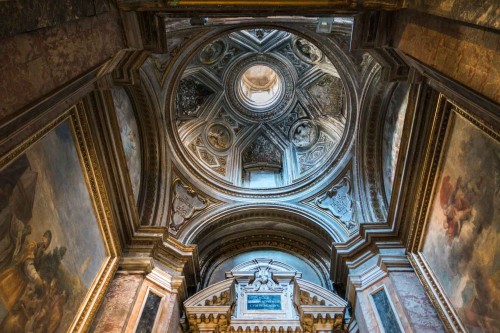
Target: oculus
(260, 85)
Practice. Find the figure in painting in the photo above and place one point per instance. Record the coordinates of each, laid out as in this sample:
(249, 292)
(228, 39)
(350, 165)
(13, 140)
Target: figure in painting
(457, 204)
(29, 286)
(17, 188)
(30, 291)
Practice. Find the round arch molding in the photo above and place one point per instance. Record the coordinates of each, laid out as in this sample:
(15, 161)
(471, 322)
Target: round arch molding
(241, 229)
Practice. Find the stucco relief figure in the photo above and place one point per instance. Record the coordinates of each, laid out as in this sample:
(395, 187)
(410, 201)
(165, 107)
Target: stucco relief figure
(307, 51)
(185, 204)
(212, 52)
(191, 95)
(304, 134)
(338, 202)
(219, 137)
(263, 281)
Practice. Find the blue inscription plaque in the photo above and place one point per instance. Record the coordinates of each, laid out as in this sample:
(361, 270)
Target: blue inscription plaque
(263, 302)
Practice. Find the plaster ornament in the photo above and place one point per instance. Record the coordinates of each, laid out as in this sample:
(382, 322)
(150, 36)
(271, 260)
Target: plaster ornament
(307, 51)
(219, 137)
(260, 33)
(338, 202)
(263, 281)
(186, 202)
(304, 134)
(328, 92)
(285, 124)
(191, 95)
(261, 151)
(310, 158)
(212, 52)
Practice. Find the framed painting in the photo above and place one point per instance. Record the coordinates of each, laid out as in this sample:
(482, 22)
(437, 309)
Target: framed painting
(58, 249)
(456, 236)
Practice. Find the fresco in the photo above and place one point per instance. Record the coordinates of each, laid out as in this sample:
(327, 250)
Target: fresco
(129, 133)
(462, 242)
(391, 138)
(51, 248)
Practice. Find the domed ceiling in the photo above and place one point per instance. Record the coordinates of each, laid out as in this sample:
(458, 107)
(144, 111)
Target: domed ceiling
(260, 109)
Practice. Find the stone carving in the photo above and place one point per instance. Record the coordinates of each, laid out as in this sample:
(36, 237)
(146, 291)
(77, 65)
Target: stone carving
(307, 299)
(328, 91)
(212, 52)
(260, 33)
(304, 134)
(222, 299)
(219, 66)
(338, 202)
(219, 137)
(307, 51)
(191, 95)
(263, 281)
(297, 62)
(159, 61)
(185, 203)
(318, 152)
(262, 151)
(285, 124)
(216, 163)
(223, 116)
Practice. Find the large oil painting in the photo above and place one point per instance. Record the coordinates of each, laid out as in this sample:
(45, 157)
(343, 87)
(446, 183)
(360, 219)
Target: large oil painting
(129, 134)
(462, 240)
(51, 246)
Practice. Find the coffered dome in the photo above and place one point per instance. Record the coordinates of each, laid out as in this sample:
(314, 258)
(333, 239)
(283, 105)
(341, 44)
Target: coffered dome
(260, 109)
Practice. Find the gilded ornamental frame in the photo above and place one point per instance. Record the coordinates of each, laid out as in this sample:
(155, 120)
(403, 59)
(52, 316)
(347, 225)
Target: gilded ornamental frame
(77, 121)
(443, 116)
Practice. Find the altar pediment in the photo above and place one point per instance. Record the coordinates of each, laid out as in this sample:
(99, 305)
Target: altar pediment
(265, 296)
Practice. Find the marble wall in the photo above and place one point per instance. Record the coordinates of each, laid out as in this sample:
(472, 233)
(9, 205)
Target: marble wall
(405, 297)
(115, 310)
(418, 307)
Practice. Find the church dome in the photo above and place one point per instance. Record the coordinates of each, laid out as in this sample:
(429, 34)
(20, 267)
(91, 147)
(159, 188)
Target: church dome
(259, 110)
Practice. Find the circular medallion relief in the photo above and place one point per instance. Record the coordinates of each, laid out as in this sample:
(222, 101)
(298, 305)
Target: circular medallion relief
(307, 51)
(304, 134)
(212, 52)
(219, 137)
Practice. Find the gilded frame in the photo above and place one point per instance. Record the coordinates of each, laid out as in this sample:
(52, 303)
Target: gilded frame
(443, 118)
(77, 122)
